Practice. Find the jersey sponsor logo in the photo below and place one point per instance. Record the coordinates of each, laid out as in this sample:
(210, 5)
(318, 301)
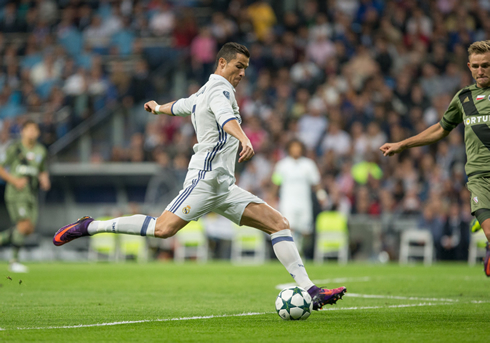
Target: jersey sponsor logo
(186, 210)
(475, 199)
(227, 94)
(476, 120)
(480, 97)
(23, 169)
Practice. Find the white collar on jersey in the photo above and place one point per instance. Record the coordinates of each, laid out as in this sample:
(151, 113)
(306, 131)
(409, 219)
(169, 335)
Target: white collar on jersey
(219, 77)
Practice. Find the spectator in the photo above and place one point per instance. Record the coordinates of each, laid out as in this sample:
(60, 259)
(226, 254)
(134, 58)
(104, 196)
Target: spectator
(263, 18)
(336, 140)
(162, 22)
(203, 53)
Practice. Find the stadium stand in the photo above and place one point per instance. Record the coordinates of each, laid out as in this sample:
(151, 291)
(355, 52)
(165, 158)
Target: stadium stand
(344, 76)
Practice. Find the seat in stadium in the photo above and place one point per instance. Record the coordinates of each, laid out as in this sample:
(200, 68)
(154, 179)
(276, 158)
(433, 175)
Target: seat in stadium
(332, 237)
(424, 247)
(103, 244)
(191, 241)
(248, 245)
(477, 250)
(133, 245)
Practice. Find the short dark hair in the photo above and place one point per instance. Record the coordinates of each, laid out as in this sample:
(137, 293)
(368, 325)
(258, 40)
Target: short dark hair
(230, 50)
(29, 122)
(296, 141)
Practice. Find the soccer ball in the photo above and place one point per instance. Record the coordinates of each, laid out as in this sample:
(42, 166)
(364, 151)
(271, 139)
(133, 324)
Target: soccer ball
(294, 303)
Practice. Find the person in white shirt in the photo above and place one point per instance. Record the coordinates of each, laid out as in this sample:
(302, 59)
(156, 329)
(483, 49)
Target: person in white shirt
(210, 183)
(295, 176)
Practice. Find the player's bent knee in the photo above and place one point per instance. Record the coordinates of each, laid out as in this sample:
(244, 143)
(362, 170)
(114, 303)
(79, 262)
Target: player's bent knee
(168, 224)
(25, 227)
(279, 225)
(164, 231)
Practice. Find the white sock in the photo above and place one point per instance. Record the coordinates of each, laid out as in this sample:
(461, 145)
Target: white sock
(138, 224)
(287, 253)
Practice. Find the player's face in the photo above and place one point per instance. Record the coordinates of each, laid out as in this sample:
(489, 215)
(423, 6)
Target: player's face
(295, 150)
(479, 65)
(30, 132)
(234, 70)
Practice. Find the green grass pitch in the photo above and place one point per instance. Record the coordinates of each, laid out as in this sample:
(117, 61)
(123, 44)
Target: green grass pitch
(219, 302)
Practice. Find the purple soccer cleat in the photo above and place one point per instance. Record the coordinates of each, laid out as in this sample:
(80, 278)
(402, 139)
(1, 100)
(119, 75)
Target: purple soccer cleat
(72, 231)
(486, 262)
(323, 296)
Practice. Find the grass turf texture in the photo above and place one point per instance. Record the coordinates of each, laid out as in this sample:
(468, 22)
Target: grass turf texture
(61, 294)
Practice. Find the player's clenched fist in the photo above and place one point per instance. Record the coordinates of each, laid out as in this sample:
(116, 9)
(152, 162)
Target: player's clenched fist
(247, 152)
(150, 106)
(389, 149)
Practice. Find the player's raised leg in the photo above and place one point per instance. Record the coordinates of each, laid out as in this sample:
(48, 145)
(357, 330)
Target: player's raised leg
(269, 220)
(485, 225)
(164, 226)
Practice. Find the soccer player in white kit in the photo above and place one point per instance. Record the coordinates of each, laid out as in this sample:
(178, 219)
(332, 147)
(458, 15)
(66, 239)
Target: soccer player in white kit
(296, 175)
(210, 183)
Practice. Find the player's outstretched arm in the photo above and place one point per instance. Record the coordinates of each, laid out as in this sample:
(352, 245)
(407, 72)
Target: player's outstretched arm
(153, 107)
(426, 137)
(233, 128)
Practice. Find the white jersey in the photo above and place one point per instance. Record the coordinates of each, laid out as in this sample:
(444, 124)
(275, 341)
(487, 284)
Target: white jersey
(296, 178)
(211, 108)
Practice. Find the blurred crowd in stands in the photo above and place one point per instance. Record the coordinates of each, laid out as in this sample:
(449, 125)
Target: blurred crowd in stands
(344, 76)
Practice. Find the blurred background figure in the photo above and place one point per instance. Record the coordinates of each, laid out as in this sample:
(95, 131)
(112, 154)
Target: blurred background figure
(296, 176)
(24, 168)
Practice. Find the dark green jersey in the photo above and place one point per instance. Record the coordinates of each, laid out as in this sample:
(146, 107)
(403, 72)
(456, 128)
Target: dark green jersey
(24, 162)
(471, 105)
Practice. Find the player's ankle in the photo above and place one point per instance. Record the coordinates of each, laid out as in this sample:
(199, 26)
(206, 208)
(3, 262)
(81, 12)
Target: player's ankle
(313, 290)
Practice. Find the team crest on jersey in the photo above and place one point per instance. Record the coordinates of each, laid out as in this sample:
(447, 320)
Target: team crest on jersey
(475, 199)
(186, 210)
(227, 94)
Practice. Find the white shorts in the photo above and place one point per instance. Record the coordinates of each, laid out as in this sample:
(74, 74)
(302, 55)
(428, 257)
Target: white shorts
(211, 191)
(300, 220)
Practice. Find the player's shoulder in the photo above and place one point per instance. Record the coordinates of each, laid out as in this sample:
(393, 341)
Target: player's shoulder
(309, 162)
(219, 83)
(41, 149)
(467, 89)
(284, 162)
(15, 145)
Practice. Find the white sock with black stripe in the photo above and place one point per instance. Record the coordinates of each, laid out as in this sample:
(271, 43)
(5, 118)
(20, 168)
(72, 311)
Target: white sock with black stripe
(287, 252)
(138, 224)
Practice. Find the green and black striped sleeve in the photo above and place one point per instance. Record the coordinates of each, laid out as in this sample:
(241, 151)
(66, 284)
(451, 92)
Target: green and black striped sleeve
(453, 115)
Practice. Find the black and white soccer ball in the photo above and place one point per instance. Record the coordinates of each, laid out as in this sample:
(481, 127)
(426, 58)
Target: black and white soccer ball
(294, 303)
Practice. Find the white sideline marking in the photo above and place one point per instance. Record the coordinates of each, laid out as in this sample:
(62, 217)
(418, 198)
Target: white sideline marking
(144, 321)
(221, 316)
(336, 280)
(378, 307)
(372, 296)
